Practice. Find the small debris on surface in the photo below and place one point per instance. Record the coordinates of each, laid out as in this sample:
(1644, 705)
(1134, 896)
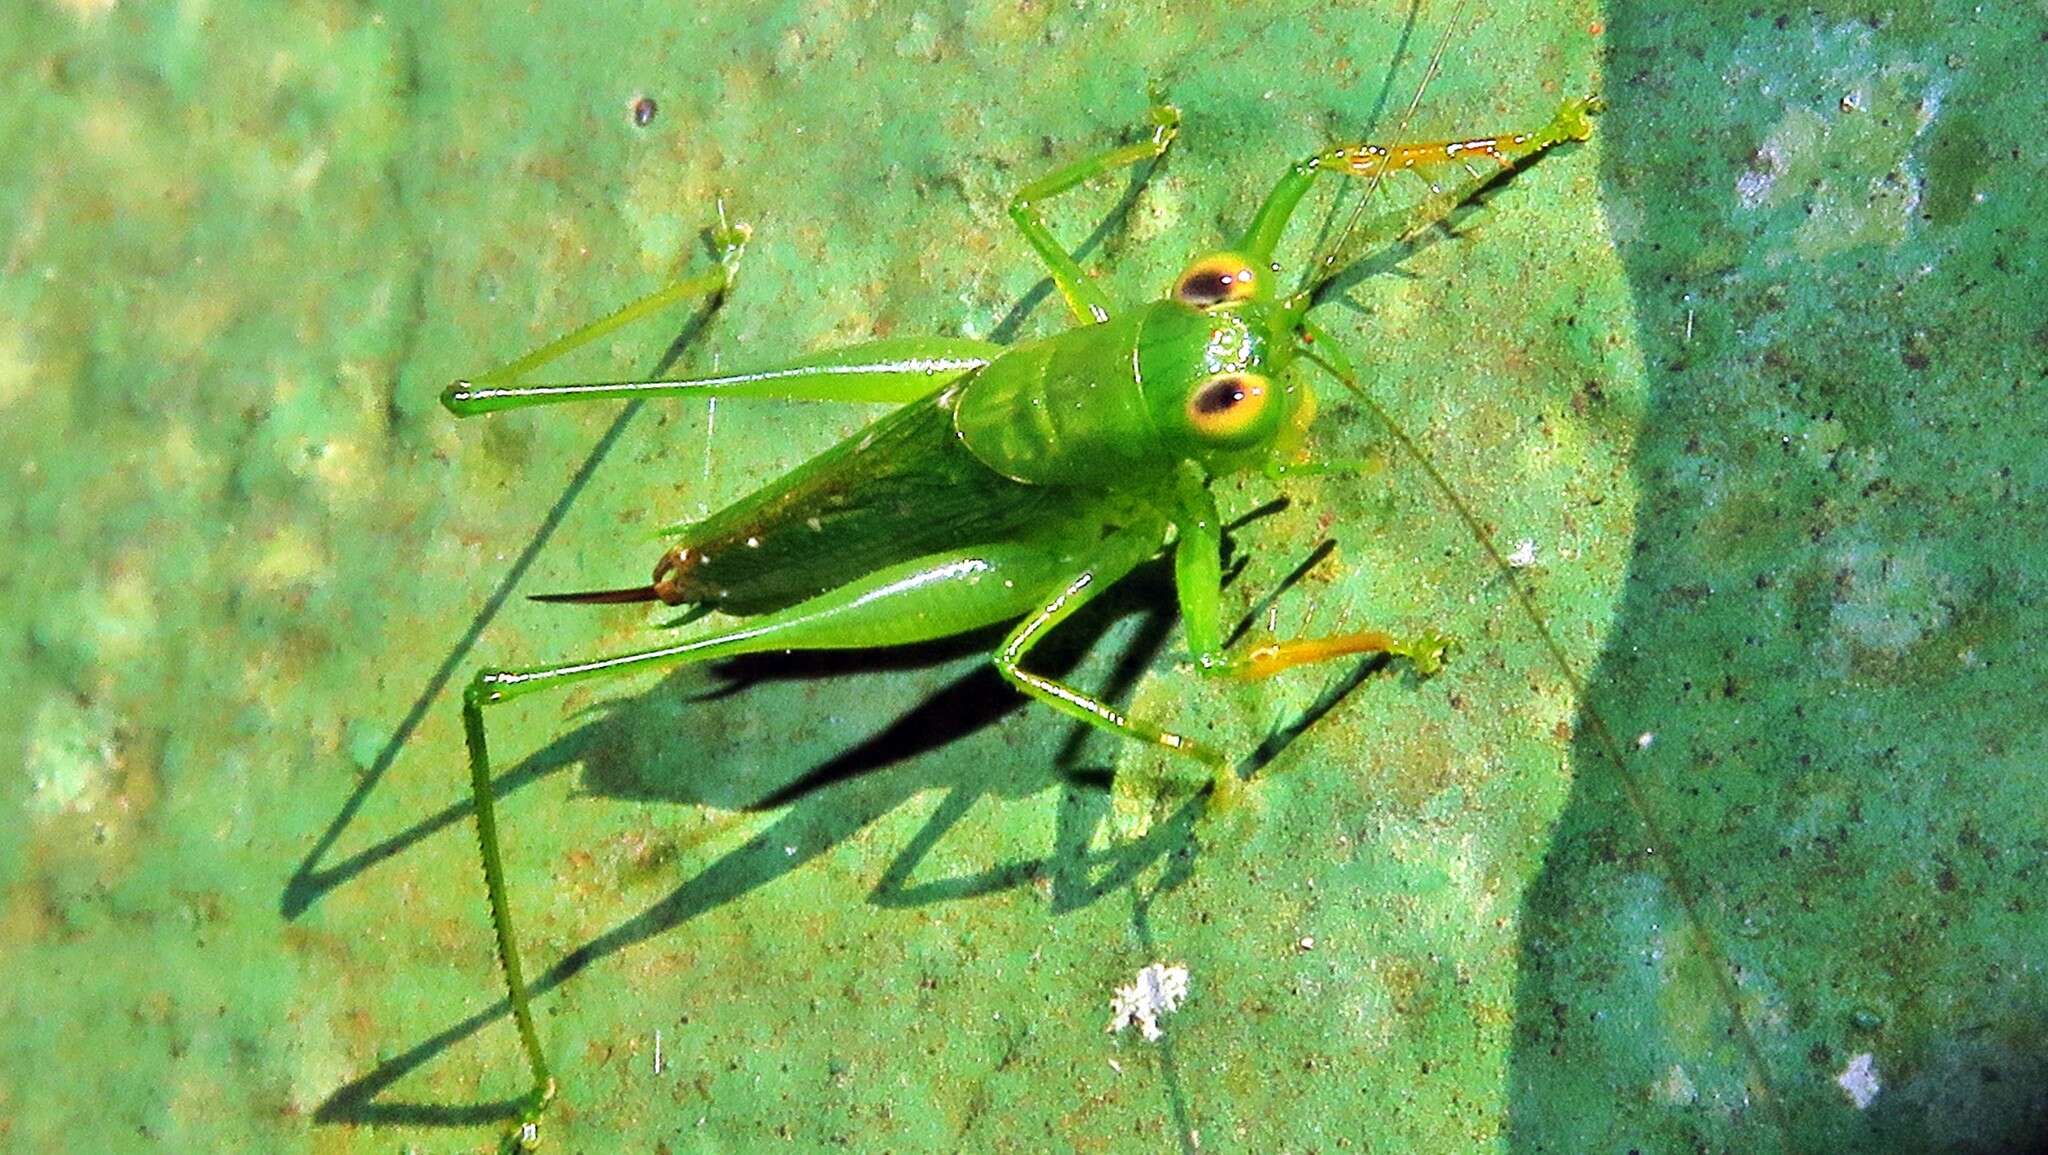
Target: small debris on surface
(1644, 739)
(1677, 1087)
(1308, 942)
(1157, 991)
(1859, 1079)
(1524, 555)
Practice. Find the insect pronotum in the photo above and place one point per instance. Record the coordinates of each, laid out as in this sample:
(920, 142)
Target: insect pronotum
(1013, 484)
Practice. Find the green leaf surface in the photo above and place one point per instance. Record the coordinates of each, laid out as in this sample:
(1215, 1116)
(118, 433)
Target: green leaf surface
(1749, 386)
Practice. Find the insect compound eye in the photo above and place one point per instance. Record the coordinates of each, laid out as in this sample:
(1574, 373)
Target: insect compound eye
(1217, 280)
(1226, 406)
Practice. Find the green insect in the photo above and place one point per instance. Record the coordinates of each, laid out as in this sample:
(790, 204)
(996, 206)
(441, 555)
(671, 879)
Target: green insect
(1013, 484)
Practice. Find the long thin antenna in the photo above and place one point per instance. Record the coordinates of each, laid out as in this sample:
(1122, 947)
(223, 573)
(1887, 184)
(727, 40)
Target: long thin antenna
(1682, 887)
(1436, 59)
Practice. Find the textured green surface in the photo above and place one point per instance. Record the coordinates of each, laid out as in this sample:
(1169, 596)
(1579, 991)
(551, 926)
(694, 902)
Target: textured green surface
(1831, 620)
(1789, 296)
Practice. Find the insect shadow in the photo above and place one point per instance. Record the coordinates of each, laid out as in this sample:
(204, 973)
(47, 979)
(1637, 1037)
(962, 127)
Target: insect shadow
(626, 751)
(314, 876)
(825, 803)
(822, 804)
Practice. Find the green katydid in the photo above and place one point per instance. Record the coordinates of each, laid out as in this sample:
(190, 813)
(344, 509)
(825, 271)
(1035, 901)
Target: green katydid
(1013, 484)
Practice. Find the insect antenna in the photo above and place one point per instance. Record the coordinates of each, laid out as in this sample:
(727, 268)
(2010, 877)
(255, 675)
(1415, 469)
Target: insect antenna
(600, 597)
(1603, 735)
(1317, 273)
(1523, 598)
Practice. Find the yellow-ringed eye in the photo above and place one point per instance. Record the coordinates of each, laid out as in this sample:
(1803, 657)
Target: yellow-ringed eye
(1227, 405)
(1216, 280)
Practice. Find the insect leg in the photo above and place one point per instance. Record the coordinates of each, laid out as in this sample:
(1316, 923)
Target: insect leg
(1198, 580)
(931, 597)
(1116, 556)
(1479, 163)
(892, 370)
(1198, 568)
(1425, 652)
(1082, 294)
(1494, 157)
(731, 241)
(1507, 153)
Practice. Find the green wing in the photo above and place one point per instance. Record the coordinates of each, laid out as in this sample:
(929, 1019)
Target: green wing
(901, 488)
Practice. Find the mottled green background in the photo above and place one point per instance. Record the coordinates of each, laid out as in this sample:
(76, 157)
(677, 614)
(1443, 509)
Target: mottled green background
(1755, 378)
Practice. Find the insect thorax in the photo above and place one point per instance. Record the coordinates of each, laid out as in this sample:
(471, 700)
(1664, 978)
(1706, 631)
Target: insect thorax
(1113, 404)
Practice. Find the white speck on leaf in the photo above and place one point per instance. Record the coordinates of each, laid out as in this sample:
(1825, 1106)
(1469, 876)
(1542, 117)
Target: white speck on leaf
(1753, 187)
(1157, 991)
(1524, 555)
(1677, 1087)
(1859, 1079)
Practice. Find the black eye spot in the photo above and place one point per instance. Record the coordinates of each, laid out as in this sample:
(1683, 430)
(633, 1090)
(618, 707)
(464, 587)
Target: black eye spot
(1214, 281)
(1228, 406)
(1219, 396)
(1205, 287)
